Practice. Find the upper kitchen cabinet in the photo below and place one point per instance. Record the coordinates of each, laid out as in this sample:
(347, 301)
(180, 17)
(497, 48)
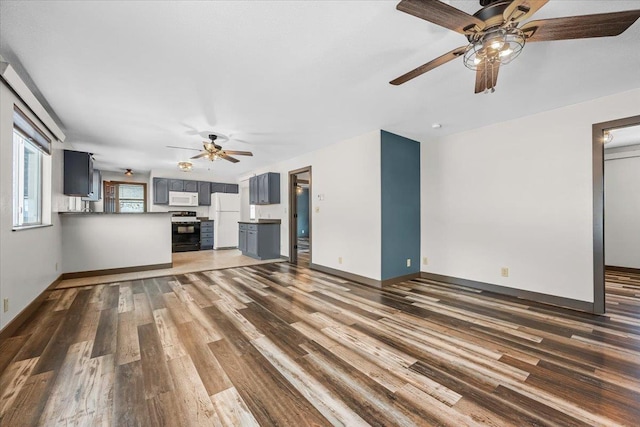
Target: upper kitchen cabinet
(176, 185)
(253, 191)
(96, 193)
(160, 191)
(217, 187)
(265, 189)
(204, 193)
(190, 186)
(231, 188)
(78, 174)
(162, 186)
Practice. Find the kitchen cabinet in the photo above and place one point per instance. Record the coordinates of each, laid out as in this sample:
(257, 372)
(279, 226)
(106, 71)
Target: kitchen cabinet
(264, 189)
(160, 191)
(206, 234)
(190, 186)
(78, 174)
(231, 188)
(253, 190)
(242, 237)
(217, 187)
(204, 193)
(176, 185)
(162, 186)
(260, 241)
(96, 192)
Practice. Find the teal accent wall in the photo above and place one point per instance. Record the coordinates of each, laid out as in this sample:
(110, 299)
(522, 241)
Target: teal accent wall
(303, 212)
(400, 187)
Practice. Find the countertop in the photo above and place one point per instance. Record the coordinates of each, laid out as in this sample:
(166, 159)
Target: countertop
(261, 221)
(110, 213)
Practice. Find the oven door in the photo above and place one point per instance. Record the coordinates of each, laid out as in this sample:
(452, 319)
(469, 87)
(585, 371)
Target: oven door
(185, 236)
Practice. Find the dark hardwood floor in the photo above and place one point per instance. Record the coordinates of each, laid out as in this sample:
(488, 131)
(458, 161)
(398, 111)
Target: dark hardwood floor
(277, 344)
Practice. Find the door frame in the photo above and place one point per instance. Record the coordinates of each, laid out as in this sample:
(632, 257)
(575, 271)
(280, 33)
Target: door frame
(293, 211)
(598, 130)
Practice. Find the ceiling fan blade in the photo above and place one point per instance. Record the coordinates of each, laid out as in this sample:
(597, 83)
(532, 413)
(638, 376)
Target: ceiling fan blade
(429, 66)
(226, 157)
(487, 76)
(239, 153)
(580, 27)
(442, 14)
(520, 10)
(183, 148)
(203, 154)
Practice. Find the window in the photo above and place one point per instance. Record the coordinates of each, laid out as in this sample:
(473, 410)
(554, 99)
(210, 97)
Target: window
(30, 148)
(125, 197)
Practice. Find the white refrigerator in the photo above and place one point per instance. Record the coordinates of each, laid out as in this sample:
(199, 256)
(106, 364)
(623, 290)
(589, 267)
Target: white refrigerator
(225, 213)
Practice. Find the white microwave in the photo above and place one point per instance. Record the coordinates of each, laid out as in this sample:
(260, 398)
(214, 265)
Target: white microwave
(179, 198)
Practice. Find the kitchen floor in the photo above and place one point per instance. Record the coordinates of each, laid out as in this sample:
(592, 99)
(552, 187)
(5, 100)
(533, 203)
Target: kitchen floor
(183, 262)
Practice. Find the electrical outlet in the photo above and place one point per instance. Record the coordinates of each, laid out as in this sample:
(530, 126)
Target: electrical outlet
(6, 305)
(339, 260)
(408, 262)
(504, 272)
(425, 260)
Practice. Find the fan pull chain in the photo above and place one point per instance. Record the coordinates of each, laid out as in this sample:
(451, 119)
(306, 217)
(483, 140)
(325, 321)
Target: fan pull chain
(493, 89)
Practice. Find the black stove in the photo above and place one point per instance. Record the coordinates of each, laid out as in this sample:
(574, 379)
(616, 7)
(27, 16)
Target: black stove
(185, 231)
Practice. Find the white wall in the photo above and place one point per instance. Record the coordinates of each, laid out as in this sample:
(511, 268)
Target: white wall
(30, 260)
(517, 194)
(348, 222)
(99, 242)
(622, 212)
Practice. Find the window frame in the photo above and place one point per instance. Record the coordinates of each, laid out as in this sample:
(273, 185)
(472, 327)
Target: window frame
(117, 184)
(20, 141)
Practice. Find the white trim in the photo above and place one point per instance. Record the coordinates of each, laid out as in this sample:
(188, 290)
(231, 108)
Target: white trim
(14, 81)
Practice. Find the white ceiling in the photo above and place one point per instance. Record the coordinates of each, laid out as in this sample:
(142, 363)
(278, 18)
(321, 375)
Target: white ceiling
(126, 79)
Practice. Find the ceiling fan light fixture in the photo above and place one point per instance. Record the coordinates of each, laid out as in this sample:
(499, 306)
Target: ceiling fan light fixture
(499, 46)
(128, 172)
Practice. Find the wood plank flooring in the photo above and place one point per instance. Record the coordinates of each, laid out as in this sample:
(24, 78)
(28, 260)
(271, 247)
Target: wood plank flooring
(278, 344)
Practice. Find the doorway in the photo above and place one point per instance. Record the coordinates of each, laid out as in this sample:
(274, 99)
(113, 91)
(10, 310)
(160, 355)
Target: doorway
(300, 216)
(602, 133)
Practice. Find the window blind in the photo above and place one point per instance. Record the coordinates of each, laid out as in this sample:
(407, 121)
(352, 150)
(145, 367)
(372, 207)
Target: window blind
(31, 131)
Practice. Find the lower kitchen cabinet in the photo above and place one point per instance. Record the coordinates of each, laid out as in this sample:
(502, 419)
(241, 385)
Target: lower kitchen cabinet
(260, 241)
(206, 235)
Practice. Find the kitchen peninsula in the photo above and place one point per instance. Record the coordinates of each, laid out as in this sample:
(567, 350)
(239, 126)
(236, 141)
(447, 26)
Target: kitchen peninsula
(97, 241)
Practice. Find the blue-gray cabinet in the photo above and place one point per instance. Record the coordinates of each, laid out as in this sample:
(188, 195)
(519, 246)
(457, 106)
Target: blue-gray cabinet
(190, 186)
(253, 190)
(264, 189)
(204, 193)
(176, 185)
(231, 188)
(78, 174)
(206, 234)
(162, 186)
(260, 241)
(160, 191)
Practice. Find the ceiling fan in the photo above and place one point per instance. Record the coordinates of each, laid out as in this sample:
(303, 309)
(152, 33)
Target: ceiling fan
(213, 151)
(495, 38)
